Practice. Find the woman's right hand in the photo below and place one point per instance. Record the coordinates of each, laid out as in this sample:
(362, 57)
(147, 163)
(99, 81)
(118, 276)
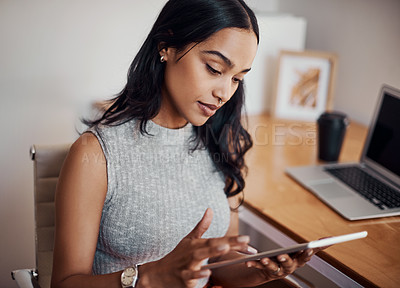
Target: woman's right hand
(182, 266)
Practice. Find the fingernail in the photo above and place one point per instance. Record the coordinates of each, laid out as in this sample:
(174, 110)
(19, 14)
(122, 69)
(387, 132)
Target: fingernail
(264, 261)
(204, 273)
(223, 247)
(309, 253)
(243, 239)
(282, 259)
(248, 265)
(252, 250)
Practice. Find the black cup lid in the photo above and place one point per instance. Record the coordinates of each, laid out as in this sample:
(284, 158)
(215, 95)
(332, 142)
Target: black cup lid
(333, 116)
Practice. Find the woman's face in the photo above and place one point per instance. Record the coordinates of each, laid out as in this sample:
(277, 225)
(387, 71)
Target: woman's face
(207, 73)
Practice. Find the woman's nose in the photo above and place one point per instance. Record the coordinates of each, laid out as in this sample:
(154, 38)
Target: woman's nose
(223, 91)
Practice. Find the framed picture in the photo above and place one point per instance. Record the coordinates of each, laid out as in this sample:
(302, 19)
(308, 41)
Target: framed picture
(304, 86)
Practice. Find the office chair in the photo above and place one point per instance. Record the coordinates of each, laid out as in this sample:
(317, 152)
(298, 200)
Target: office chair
(47, 162)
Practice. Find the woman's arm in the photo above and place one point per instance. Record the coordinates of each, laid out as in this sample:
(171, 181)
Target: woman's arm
(80, 195)
(254, 273)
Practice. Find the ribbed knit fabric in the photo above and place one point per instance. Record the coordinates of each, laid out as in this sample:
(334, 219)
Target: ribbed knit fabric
(158, 190)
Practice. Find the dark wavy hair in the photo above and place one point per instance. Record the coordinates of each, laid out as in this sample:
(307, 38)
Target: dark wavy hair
(180, 23)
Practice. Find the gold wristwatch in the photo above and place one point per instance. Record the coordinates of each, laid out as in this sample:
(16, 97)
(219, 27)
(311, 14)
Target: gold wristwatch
(129, 277)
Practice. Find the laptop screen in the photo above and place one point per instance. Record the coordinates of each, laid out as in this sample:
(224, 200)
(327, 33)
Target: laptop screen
(384, 146)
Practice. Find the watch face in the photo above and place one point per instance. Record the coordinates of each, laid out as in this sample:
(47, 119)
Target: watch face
(129, 272)
(126, 280)
(128, 277)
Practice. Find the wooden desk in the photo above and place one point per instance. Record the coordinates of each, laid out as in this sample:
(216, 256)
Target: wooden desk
(274, 196)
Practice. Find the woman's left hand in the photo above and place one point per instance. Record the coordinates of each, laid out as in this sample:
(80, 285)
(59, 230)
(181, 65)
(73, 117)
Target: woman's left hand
(282, 265)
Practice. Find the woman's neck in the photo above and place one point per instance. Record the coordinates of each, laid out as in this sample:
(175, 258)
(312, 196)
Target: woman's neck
(164, 119)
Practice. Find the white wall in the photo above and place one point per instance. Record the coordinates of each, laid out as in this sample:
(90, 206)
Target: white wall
(365, 34)
(55, 58)
(277, 32)
(58, 56)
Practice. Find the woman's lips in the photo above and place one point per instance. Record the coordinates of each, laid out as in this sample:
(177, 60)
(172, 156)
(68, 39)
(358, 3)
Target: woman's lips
(207, 109)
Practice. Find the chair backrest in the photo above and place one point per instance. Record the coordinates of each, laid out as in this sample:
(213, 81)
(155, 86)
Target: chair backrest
(48, 160)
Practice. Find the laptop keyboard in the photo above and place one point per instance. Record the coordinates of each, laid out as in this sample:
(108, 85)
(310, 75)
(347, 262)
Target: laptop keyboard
(378, 193)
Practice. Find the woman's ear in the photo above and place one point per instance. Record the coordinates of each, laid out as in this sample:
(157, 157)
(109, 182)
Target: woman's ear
(163, 54)
(163, 51)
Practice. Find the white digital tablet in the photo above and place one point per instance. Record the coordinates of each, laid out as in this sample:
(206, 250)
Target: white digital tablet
(292, 249)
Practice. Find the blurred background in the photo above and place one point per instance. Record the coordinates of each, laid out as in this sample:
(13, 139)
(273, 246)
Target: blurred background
(58, 57)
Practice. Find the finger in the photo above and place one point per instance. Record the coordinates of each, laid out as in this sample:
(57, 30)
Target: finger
(304, 257)
(188, 275)
(271, 268)
(217, 247)
(260, 264)
(248, 250)
(202, 226)
(209, 252)
(255, 264)
(277, 272)
(237, 243)
(287, 264)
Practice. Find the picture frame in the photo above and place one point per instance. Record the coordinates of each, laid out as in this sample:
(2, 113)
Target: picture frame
(305, 84)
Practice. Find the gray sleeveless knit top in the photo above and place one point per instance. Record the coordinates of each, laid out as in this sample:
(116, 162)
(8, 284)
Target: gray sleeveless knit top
(158, 190)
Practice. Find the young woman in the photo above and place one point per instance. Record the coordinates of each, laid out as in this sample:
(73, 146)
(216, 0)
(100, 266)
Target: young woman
(148, 194)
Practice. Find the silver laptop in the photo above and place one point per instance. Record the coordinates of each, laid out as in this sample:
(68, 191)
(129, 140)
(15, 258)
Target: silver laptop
(370, 188)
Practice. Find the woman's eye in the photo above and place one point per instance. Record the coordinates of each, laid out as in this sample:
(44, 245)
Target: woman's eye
(237, 80)
(212, 70)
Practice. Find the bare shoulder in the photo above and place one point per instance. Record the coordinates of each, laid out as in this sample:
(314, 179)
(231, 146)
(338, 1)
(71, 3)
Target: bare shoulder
(84, 170)
(86, 154)
(88, 148)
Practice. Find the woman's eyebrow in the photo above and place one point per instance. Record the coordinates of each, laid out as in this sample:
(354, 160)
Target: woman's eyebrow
(220, 55)
(227, 61)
